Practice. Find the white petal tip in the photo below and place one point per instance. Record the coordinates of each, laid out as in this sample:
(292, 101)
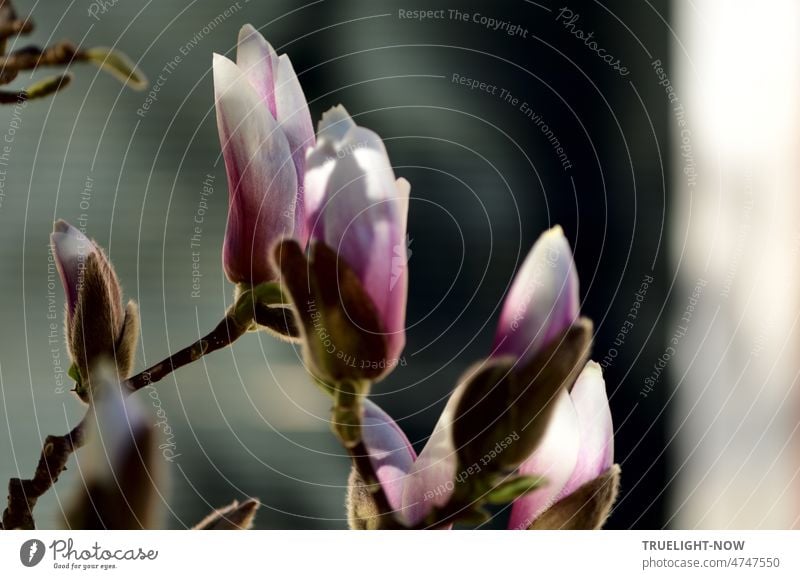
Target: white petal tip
(249, 35)
(247, 30)
(226, 74)
(219, 60)
(403, 187)
(335, 122)
(333, 115)
(335, 111)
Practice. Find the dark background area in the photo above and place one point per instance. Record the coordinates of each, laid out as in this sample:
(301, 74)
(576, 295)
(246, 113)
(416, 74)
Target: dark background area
(485, 183)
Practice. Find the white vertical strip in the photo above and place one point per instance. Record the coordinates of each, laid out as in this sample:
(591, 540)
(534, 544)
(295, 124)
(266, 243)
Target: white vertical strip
(737, 227)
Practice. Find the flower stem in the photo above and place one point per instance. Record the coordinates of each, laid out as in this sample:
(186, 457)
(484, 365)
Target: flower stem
(347, 415)
(227, 331)
(23, 494)
(359, 455)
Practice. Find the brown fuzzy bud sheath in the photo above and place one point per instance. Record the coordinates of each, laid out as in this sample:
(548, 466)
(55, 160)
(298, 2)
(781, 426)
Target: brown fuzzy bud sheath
(362, 512)
(586, 508)
(96, 325)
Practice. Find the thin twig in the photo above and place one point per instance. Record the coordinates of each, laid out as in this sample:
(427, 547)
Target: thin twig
(23, 493)
(226, 332)
(10, 25)
(60, 54)
(8, 29)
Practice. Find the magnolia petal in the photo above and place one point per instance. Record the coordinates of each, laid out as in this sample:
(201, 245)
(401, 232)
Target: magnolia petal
(319, 165)
(394, 313)
(259, 63)
(543, 300)
(70, 249)
(262, 181)
(320, 162)
(596, 453)
(431, 481)
(554, 459)
(295, 121)
(403, 198)
(390, 452)
(335, 124)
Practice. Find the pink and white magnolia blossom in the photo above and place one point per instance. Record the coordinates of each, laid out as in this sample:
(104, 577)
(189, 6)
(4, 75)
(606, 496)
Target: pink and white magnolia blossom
(265, 129)
(578, 444)
(354, 204)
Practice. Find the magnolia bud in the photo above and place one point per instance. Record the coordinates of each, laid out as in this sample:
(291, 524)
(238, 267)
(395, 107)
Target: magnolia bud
(511, 403)
(264, 129)
(577, 448)
(543, 300)
(356, 207)
(96, 325)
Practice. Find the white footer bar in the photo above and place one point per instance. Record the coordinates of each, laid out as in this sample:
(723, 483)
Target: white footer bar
(388, 555)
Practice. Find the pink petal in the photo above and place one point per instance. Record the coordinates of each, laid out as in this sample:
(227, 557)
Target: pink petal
(258, 61)
(319, 166)
(390, 451)
(70, 248)
(394, 313)
(335, 124)
(295, 121)
(543, 300)
(320, 161)
(596, 453)
(432, 477)
(554, 459)
(262, 181)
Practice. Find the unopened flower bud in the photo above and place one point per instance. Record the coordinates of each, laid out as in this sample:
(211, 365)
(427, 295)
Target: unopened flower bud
(97, 327)
(264, 129)
(576, 457)
(356, 207)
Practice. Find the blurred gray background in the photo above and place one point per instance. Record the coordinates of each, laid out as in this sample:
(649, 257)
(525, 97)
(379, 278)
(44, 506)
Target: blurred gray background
(485, 183)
